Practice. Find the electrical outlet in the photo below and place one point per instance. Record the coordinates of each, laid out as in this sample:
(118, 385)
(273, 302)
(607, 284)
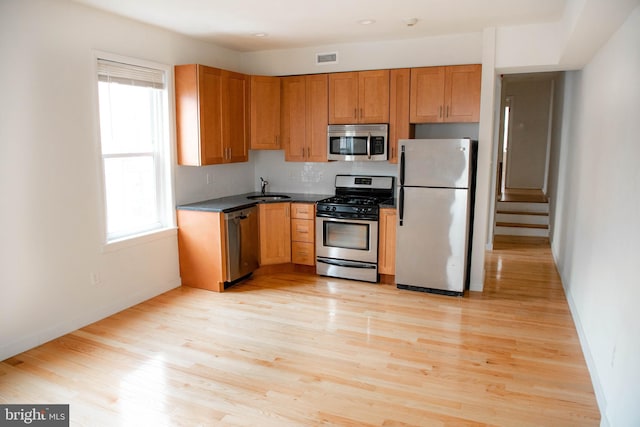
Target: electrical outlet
(208, 178)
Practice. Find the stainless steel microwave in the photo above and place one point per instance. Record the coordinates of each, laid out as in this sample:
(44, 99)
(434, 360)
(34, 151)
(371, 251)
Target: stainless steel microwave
(353, 143)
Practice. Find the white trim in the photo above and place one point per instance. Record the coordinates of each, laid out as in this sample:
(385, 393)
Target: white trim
(586, 350)
(166, 197)
(139, 239)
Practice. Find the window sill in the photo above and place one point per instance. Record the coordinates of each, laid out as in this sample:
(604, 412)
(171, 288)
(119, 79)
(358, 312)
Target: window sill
(139, 239)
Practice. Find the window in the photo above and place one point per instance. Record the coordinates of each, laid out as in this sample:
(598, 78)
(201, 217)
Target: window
(134, 141)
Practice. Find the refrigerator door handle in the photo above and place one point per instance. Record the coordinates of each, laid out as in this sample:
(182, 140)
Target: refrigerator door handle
(401, 206)
(402, 166)
(369, 145)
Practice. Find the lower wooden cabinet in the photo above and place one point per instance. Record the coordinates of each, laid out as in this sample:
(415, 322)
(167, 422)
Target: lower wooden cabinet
(303, 233)
(202, 252)
(387, 242)
(275, 233)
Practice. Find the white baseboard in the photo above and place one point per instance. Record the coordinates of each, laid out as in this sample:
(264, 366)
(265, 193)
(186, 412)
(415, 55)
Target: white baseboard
(586, 351)
(70, 325)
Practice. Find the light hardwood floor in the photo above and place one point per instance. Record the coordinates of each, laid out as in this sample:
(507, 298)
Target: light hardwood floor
(295, 349)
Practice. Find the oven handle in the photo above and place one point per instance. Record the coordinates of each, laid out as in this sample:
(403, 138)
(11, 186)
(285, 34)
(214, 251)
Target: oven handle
(333, 218)
(369, 145)
(342, 263)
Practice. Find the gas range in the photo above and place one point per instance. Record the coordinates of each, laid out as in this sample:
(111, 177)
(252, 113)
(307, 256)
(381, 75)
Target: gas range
(347, 227)
(357, 197)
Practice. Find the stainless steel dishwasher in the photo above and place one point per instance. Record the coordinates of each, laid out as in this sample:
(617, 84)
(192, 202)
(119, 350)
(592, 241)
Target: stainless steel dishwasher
(242, 243)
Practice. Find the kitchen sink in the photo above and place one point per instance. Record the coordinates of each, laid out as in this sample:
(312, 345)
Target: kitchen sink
(269, 197)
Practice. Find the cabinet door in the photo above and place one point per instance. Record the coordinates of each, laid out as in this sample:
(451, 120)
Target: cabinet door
(462, 93)
(198, 115)
(387, 242)
(317, 118)
(201, 248)
(265, 113)
(343, 98)
(235, 96)
(427, 95)
(399, 127)
(373, 96)
(303, 253)
(294, 115)
(275, 233)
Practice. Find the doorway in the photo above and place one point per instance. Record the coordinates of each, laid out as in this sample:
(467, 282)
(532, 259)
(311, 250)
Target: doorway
(526, 128)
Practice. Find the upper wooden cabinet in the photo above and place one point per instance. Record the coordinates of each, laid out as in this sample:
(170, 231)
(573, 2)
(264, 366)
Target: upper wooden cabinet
(399, 126)
(359, 97)
(304, 117)
(445, 94)
(265, 113)
(211, 115)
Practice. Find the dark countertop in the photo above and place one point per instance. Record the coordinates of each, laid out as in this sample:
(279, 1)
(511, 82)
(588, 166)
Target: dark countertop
(229, 203)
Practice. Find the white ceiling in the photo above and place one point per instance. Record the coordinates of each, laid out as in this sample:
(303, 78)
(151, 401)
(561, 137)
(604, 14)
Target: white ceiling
(305, 23)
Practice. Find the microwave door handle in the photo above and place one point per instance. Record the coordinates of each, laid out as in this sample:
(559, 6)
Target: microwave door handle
(369, 145)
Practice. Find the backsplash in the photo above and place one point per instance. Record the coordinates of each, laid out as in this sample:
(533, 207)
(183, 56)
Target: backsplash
(317, 178)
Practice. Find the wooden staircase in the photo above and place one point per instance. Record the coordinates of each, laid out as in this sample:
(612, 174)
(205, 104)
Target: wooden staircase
(523, 216)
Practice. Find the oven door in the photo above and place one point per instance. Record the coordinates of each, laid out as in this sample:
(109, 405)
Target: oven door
(347, 239)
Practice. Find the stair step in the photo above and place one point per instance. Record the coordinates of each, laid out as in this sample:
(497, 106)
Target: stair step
(521, 231)
(518, 225)
(522, 213)
(534, 218)
(523, 207)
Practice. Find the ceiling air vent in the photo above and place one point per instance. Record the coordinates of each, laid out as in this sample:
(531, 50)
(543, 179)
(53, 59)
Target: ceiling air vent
(326, 58)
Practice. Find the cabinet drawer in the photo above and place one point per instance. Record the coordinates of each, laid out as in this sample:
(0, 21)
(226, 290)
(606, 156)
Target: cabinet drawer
(303, 253)
(303, 210)
(302, 230)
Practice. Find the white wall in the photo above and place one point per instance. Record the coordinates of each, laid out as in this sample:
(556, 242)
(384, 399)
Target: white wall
(50, 237)
(596, 241)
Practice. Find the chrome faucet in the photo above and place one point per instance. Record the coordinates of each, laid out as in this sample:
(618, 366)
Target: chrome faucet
(263, 185)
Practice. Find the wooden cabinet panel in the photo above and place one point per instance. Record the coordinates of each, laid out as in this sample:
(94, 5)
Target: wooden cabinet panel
(302, 230)
(235, 118)
(359, 97)
(305, 118)
(202, 252)
(317, 120)
(343, 98)
(211, 115)
(303, 211)
(427, 94)
(399, 127)
(303, 253)
(265, 113)
(445, 94)
(275, 233)
(373, 96)
(303, 217)
(387, 242)
(462, 93)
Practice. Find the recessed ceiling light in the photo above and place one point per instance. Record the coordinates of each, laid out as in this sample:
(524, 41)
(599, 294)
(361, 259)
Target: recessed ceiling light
(410, 22)
(366, 21)
(260, 34)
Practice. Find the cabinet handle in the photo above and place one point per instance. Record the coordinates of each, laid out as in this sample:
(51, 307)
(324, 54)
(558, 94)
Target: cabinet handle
(308, 152)
(447, 111)
(276, 139)
(440, 113)
(355, 113)
(361, 113)
(303, 152)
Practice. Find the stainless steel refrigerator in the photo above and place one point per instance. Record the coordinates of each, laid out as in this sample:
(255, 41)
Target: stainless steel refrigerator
(436, 186)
